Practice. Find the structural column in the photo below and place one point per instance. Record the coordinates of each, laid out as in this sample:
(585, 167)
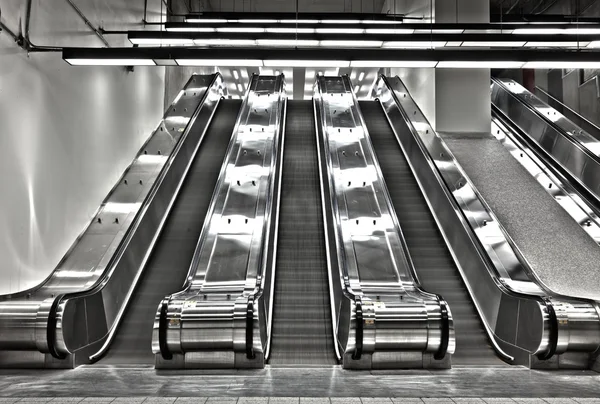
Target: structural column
(453, 100)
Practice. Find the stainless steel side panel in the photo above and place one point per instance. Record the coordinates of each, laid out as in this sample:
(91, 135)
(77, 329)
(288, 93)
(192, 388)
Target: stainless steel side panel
(526, 323)
(221, 318)
(78, 307)
(383, 318)
(559, 139)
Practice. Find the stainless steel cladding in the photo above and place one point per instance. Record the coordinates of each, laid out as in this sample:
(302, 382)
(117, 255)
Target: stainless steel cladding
(527, 323)
(74, 312)
(559, 139)
(222, 316)
(382, 318)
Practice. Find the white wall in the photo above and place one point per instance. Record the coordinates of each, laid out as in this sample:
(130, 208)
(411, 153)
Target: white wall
(66, 133)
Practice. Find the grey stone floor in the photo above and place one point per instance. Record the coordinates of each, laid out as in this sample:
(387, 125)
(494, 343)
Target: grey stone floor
(138, 384)
(303, 400)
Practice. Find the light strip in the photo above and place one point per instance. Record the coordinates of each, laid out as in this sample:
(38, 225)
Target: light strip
(393, 31)
(493, 44)
(351, 44)
(413, 44)
(219, 62)
(570, 44)
(393, 63)
(109, 62)
(562, 65)
(225, 42)
(249, 30)
(306, 63)
(290, 30)
(340, 31)
(479, 65)
(288, 42)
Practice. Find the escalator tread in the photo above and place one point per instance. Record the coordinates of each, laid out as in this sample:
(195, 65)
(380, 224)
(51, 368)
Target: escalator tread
(169, 262)
(433, 262)
(302, 330)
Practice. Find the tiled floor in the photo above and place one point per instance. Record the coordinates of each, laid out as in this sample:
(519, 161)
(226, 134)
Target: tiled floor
(147, 385)
(298, 400)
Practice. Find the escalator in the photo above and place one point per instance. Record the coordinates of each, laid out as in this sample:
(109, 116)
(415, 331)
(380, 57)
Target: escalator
(434, 265)
(168, 265)
(302, 331)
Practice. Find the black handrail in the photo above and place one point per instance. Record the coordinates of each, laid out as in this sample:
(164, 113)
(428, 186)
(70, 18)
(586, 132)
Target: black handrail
(445, 338)
(162, 331)
(359, 330)
(250, 329)
(51, 328)
(553, 342)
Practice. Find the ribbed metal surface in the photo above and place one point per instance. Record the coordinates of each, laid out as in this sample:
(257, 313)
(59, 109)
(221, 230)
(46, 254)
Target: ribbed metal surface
(434, 265)
(170, 260)
(302, 330)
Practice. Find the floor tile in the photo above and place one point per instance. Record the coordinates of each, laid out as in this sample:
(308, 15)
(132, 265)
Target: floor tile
(129, 400)
(345, 400)
(314, 400)
(407, 400)
(284, 400)
(529, 400)
(437, 400)
(500, 400)
(468, 400)
(9, 400)
(190, 400)
(587, 400)
(253, 400)
(376, 400)
(560, 400)
(160, 400)
(98, 400)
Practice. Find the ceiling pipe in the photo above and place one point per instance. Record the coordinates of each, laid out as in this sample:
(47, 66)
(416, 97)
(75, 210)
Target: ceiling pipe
(88, 23)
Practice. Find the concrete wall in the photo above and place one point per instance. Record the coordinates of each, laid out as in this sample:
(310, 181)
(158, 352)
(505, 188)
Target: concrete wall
(66, 133)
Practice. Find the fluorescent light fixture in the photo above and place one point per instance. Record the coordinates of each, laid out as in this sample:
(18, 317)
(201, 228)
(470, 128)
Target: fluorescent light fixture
(277, 72)
(306, 63)
(290, 30)
(236, 75)
(162, 41)
(401, 31)
(299, 21)
(361, 76)
(287, 42)
(392, 63)
(538, 31)
(413, 44)
(381, 22)
(439, 31)
(341, 21)
(480, 65)
(356, 88)
(340, 31)
(249, 30)
(206, 20)
(583, 31)
(190, 29)
(224, 42)
(594, 44)
(240, 88)
(219, 62)
(494, 44)
(564, 44)
(562, 65)
(352, 44)
(110, 62)
(258, 21)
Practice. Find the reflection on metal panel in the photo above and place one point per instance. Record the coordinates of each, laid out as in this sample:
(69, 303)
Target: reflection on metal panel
(212, 322)
(526, 323)
(383, 317)
(575, 150)
(79, 305)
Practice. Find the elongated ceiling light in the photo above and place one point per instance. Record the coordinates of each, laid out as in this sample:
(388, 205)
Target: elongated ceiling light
(339, 57)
